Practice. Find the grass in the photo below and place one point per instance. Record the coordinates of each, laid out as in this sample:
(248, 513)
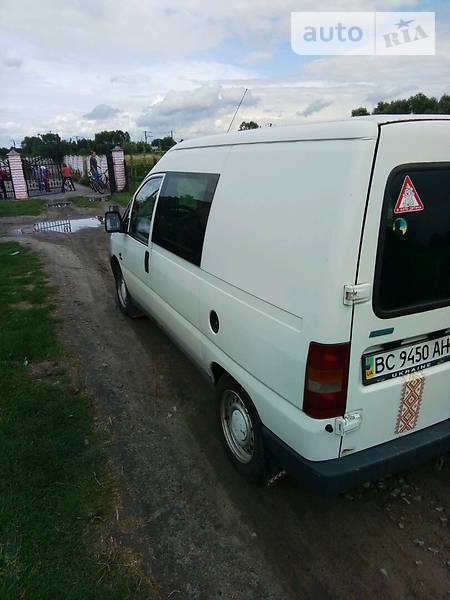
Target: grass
(57, 488)
(35, 206)
(16, 208)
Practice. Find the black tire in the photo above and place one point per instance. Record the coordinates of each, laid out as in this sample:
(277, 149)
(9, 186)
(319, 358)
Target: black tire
(124, 299)
(240, 428)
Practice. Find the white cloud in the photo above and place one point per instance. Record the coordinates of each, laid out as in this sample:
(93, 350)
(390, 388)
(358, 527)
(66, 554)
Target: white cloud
(101, 112)
(13, 62)
(315, 107)
(171, 29)
(183, 65)
(193, 112)
(257, 56)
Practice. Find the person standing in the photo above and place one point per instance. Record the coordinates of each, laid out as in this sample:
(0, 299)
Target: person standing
(46, 178)
(93, 165)
(37, 174)
(67, 176)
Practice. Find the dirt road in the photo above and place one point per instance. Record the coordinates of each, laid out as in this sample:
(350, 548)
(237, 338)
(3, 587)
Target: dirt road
(202, 532)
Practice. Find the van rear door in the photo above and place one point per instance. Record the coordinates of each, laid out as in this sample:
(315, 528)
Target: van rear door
(400, 349)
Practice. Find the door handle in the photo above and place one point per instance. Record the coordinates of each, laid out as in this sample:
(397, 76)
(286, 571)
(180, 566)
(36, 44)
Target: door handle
(147, 254)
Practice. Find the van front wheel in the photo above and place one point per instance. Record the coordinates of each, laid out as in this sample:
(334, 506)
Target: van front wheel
(241, 430)
(123, 297)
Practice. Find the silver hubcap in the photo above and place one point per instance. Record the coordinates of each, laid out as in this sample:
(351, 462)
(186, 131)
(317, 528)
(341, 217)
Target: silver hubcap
(122, 291)
(237, 426)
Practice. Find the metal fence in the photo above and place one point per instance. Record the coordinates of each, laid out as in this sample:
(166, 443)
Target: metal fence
(43, 175)
(6, 184)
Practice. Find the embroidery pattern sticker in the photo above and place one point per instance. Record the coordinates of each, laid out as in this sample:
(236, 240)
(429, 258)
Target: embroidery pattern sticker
(410, 400)
(408, 200)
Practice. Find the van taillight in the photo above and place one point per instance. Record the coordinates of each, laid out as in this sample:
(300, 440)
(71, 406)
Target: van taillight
(326, 380)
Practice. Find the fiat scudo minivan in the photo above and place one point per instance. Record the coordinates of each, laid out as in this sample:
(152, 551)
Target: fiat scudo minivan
(306, 271)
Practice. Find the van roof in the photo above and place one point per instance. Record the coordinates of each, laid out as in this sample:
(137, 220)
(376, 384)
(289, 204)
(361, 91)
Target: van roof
(346, 129)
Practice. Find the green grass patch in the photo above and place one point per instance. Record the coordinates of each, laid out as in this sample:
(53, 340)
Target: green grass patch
(57, 488)
(17, 208)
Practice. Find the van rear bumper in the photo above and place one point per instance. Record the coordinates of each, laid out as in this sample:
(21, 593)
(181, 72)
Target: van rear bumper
(331, 477)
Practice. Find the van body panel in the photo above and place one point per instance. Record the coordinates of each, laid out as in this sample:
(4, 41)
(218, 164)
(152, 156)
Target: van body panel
(285, 227)
(404, 143)
(365, 127)
(132, 265)
(261, 338)
(196, 160)
(174, 283)
(305, 435)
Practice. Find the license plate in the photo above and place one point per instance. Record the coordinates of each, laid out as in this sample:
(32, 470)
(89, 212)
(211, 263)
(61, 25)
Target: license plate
(396, 362)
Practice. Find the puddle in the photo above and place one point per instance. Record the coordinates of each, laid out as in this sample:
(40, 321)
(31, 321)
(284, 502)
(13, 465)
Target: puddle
(60, 226)
(68, 225)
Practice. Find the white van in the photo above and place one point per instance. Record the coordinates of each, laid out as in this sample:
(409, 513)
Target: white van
(306, 271)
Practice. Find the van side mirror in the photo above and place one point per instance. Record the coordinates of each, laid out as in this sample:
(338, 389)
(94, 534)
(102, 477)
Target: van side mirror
(113, 222)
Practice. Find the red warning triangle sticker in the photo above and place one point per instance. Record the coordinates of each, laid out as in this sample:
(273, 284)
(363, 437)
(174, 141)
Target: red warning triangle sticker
(408, 200)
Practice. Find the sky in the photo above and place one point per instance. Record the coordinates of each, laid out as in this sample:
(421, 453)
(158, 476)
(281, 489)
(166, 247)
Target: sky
(76, 67)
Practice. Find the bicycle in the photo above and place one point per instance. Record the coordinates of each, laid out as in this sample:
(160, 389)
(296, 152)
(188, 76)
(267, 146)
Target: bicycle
(99, 182)
(68, 185)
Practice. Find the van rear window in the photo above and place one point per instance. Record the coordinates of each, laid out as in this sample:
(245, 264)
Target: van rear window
(413, 264)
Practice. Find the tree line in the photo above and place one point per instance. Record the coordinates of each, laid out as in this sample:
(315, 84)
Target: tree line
(420, 104)
(51, 145)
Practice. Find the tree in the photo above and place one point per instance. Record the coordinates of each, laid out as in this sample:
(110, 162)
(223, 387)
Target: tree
(444, 105)
(248, 125)
(396, 107)
(136, 147)
(360, 112)
(420, 104)
(164, 143)
(48, 145)
(106, 140)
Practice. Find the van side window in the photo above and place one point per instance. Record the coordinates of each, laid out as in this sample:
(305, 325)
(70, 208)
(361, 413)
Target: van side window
(142, 210)
(182, 213)
(413, 264)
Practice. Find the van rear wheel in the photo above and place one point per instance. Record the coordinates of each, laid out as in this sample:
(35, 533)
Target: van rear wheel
(124, 300)
(241, 429)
